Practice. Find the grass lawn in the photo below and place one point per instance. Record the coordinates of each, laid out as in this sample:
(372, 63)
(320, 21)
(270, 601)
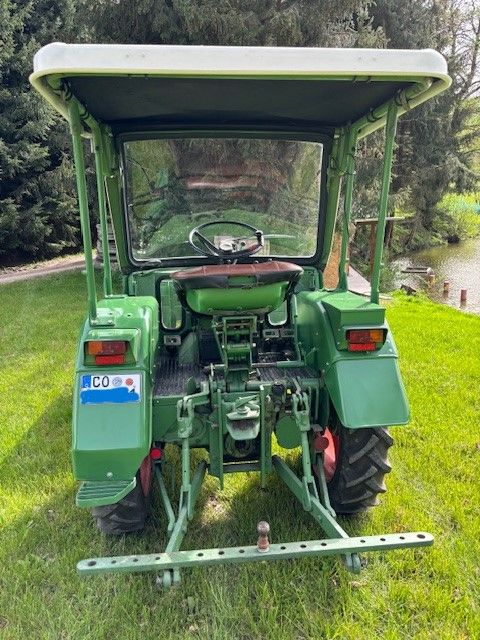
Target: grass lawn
(434, 486)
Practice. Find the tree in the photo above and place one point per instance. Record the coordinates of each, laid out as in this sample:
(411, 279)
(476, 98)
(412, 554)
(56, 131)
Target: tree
(37, 204)
(295, 23)
(434, 141)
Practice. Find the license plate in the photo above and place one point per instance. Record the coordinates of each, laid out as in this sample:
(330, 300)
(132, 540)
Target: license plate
(110, 388)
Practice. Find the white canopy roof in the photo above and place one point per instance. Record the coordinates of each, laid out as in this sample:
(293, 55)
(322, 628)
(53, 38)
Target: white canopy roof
(251, 61)
(104, 76)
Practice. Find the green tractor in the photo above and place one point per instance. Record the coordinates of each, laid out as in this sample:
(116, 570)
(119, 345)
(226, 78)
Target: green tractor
(221, 170)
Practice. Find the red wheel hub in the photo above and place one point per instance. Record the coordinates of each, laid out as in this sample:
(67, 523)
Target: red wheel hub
(146, 475)
(330, 454)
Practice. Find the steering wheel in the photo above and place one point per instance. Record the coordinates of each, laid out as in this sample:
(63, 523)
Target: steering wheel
(229, 248)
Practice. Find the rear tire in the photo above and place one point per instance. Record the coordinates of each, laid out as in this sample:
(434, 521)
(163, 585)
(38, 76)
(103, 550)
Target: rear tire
(127, 515)
(361, 465)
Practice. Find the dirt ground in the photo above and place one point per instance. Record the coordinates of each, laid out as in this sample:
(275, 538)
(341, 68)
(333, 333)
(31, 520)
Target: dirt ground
(36, 269)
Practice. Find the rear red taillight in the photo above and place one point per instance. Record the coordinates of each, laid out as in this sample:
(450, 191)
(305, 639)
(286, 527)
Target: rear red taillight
(365, 346)
(110, 359)
(364, 339)
(107, 351)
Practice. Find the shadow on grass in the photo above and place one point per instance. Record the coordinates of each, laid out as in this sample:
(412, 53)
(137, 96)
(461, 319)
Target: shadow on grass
(43, 450)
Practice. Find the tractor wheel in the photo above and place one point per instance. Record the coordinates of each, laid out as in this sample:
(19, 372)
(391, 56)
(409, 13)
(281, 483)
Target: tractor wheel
(355, 464)
(130, 513)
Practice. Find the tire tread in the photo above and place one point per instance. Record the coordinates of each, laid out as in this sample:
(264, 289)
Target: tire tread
(361, 467)
(125, 516)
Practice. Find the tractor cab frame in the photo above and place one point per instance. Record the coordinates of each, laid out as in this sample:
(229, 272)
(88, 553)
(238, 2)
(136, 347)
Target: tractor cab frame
(221, 171)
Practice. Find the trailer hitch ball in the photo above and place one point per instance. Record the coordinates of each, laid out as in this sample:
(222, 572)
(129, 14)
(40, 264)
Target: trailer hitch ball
(263, 543)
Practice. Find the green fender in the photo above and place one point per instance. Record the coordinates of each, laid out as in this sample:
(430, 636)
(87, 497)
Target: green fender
(110, 440)
(365, 389)
(367, 392)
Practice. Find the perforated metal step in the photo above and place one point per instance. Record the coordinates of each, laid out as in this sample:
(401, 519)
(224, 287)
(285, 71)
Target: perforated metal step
(269, 374)
(172, 377)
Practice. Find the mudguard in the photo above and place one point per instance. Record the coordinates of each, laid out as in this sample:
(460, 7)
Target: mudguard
(367, 393)
(365, 389)
(110, 439)
(112, 405)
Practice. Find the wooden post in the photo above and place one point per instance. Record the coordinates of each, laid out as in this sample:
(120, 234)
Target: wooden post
(372, 222)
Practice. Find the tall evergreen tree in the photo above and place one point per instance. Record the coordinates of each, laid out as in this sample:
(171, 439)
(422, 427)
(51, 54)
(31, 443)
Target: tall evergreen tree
(37, 205)
(434, 140)
(294, 23)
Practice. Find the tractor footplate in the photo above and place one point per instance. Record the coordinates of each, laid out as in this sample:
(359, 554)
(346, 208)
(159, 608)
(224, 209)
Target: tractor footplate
(95, 494)
(232, 555)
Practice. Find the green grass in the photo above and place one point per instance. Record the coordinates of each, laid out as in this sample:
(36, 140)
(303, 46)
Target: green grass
(434, 486)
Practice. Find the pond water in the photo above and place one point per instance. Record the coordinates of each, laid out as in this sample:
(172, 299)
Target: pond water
(457, 263)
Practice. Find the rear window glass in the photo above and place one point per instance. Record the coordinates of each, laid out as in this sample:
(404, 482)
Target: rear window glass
(174, 185)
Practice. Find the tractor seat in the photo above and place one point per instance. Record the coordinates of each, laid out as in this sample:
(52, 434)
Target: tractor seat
(228, 289)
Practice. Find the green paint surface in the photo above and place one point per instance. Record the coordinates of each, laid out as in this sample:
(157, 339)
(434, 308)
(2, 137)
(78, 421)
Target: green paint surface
(367, 393)
(366, 389)
(110, 438)
(237, 299)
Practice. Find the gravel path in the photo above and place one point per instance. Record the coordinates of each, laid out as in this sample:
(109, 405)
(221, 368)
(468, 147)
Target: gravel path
(37, 269)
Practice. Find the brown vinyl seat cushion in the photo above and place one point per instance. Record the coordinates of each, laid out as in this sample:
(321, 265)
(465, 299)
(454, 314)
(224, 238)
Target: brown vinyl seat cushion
(217, 276)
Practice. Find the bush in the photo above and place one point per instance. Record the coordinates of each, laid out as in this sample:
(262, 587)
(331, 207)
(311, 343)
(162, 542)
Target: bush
(458, 217)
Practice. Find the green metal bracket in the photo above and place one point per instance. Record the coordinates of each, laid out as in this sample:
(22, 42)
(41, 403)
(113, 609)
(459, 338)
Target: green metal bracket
(243, 417)
(100, 171)
(322, 485)
(234, 337)
(167, 505)
(76, 131)
(351, 143)
(185, 425)
(219, 443)
(185, 417)
(301, 415)
(265, 440)
(306, 489)
(171, 575)
(301, 411)
(390, 131)
(334, 180)
(319, 512)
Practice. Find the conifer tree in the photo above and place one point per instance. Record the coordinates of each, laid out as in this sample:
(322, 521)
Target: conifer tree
(37, 204)
(294, 23)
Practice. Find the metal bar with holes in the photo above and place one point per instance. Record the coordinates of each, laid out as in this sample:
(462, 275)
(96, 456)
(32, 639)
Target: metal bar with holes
(236, 555)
